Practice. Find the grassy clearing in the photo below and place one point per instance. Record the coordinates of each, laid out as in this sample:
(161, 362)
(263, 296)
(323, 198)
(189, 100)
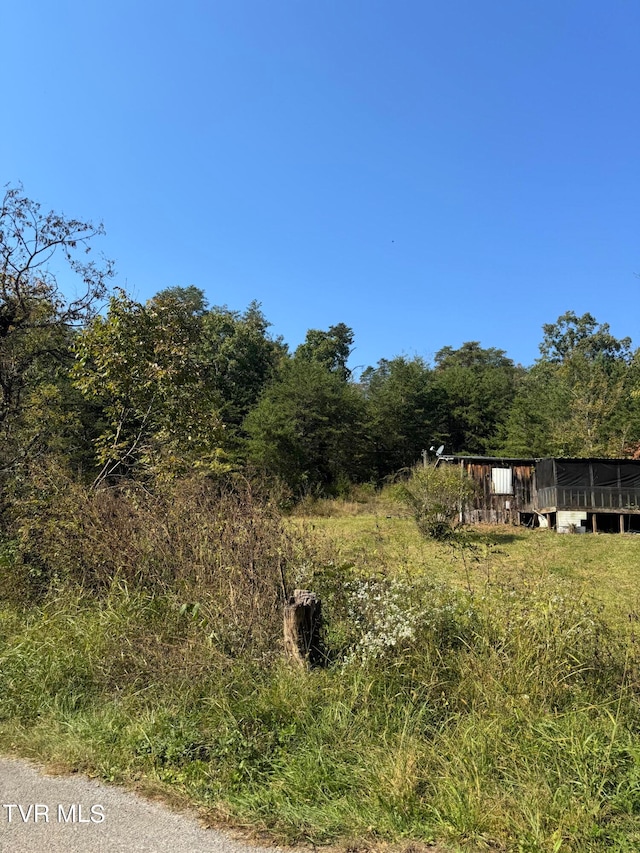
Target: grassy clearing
(606, 567)
(486, 697)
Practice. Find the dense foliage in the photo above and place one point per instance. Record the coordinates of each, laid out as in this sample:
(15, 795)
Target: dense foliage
(157, 390)
(435, 496)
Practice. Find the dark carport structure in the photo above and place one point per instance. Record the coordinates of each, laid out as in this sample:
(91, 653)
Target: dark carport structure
(595, 494)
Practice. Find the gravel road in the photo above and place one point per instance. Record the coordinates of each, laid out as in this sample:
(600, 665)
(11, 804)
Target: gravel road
(73, 814)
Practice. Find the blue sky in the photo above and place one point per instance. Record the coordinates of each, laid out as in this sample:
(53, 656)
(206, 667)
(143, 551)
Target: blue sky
(427, 172)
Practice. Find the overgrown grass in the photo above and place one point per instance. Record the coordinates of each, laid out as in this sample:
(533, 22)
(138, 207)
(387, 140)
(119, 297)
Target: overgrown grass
(485, 697)
(606, 567)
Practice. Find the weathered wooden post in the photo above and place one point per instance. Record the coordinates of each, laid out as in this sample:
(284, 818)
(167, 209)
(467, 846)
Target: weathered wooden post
(302, 624)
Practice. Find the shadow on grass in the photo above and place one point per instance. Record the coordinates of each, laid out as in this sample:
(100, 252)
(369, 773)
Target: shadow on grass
(480, 538)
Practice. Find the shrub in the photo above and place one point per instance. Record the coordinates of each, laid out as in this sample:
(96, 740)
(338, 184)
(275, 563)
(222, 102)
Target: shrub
(215, 544)
(435, 496)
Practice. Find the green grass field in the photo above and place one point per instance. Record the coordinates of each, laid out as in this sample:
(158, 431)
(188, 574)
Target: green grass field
(483, 694)
(606, 566)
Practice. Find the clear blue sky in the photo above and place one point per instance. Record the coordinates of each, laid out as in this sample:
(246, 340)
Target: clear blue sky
(426, 172)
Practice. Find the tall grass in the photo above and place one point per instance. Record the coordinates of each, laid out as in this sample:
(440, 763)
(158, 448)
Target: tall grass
(502, 716)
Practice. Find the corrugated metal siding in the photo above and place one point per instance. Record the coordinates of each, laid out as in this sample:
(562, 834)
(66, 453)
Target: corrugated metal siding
(501, 481)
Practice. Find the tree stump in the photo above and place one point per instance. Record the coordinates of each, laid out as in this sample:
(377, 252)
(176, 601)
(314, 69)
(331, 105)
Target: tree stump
(302, 623)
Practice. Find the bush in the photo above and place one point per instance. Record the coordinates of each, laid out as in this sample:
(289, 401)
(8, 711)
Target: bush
(435, 496)
(223, 550)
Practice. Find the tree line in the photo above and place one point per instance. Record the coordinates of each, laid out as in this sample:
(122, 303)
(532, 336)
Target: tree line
(161, 389)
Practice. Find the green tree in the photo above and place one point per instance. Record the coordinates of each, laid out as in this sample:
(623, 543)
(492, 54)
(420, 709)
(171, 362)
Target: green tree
(571, 334)
(189, 301)
(577, 400)
(478, 386)
(406, 412)
(331, 348)
(37, 320)
(541, 402)
(143, 364)
(308, 428)
(176, 379)
(598, 420)
(241, 359)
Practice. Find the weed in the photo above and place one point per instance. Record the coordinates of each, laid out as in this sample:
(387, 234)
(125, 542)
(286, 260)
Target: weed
(493, 704)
